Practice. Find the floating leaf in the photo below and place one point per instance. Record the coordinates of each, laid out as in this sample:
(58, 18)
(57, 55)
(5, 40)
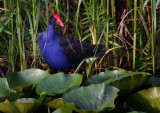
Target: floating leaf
(58, 83)
(103, 77)
(23, 105)
(131, 83)
(153, 81)
(4, 88)
(55, 104)
(63, 109)
(126, 81)
(25, 78)
(13, 96)
(95, 97)
(7, 107)
(147, 100)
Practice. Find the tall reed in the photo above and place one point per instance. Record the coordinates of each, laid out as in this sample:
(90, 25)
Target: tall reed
(12, 41)
(153, 19)
(34, 26)
(135, 30)
(114, 29)
(141, 26)
(107, 25)
(77, 18)
(34, 29)
(18, 21)
(95, 4)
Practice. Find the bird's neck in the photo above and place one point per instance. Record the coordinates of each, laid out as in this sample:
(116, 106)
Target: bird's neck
(51, 26)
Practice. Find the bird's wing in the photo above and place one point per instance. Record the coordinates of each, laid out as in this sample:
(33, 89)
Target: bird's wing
(77, 51)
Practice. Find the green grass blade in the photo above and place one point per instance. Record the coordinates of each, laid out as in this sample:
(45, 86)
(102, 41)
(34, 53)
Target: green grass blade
(32, 31)
(38, 14)
(153, 15)
(76, 22)
(134, 42)
(114, 29)
(18, 19)
(23, 43)
(95, 5)
(145, 27)
(46, 5)
(107, 25)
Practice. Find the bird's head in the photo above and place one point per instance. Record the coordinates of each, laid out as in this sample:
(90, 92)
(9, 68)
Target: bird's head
(57, 19)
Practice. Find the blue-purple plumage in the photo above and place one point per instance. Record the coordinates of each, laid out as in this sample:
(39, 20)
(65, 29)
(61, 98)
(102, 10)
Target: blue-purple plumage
(61, 53)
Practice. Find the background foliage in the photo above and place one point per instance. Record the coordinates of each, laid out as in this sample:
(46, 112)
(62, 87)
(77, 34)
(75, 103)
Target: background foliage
(128, 29)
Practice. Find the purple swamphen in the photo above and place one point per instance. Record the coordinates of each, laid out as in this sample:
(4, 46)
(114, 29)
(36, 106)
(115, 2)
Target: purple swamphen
(63, 53)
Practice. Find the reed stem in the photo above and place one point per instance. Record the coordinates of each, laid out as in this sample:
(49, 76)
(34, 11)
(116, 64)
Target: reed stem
(107, 25)
(134, 42)
(19, 33)
(114, 29)
(153, 13)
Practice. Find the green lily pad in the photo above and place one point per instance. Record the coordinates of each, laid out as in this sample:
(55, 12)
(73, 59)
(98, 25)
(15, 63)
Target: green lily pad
(4, 88)
(147, 100)
(153, 81)
(25, 78)
(58, 83)
(23, 105)
(126, 81)
(63, 109)
(12, 96)
(55, 103)
(95, 97)
(7, 107)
